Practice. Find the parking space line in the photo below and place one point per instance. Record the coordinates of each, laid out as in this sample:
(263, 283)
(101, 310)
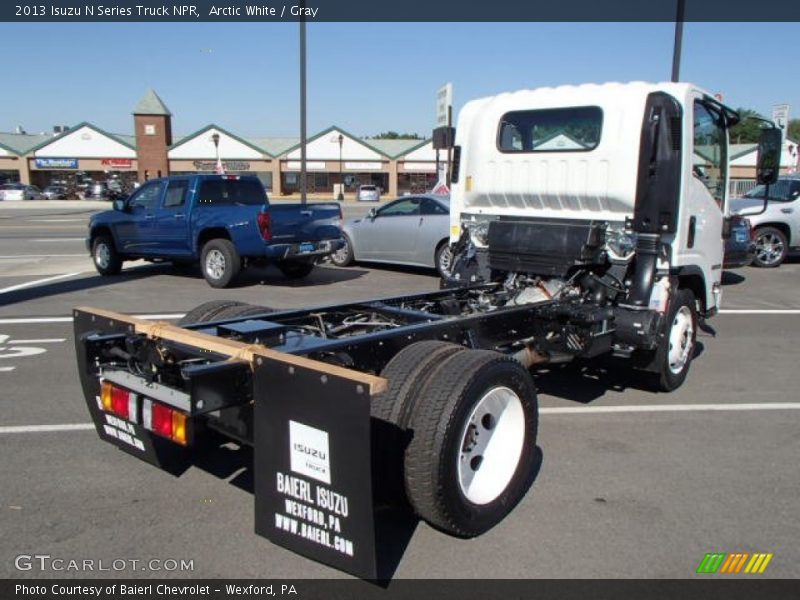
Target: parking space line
(34, 320)
(6, 369)
(760, 311)
(642, 408)
(28, 284)
(556, 410)
(55, 240)
(43, 341)
(24, 256)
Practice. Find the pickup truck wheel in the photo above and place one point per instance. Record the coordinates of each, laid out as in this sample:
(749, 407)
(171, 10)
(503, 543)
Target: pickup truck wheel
(771, 247)
(295, 269)
(676, 349)
(473, 454)
(343, 257)
(106, 259)
(220, 262)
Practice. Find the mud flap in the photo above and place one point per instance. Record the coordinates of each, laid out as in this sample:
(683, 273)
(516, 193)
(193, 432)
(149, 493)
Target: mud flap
(312, 465)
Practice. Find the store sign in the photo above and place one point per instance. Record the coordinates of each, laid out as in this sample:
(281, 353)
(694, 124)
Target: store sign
(311, 165)
(429, 167)
(444, 103)
(117, 163)
(362, 166)
(227, 165)
(56, 163)
(780, 116)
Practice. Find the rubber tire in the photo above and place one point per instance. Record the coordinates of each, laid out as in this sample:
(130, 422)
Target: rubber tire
(241, 310)
(348, 257)
(431, 475)
(233, 262)
(295, 269)
(407, 373)
(782, 236)
(207, 311)
(667, 380)
(115, 261)
(437, 258)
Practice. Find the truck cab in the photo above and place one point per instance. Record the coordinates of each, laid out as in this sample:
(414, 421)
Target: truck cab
(623, 187)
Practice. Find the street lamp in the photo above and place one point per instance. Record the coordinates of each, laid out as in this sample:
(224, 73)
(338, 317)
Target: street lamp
(341, 178)
(215, 139)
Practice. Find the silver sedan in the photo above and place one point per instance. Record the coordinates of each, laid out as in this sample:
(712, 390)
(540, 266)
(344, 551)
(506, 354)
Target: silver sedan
(412, 230)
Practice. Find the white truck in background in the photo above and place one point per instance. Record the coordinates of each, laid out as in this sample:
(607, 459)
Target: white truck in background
(615, 194)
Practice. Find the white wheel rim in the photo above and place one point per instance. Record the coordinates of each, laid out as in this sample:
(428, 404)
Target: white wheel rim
(680, 339)
(341, 254)
(491, 445)
(102, 256)
(215, 264)
(446, 261)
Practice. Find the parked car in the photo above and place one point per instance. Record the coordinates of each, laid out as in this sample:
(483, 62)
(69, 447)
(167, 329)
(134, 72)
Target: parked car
(776, 230)
(19, 191)
(224, 222)
(368, 193)
(739, 247)
(413, 230)
(54, 192)
(97, 191)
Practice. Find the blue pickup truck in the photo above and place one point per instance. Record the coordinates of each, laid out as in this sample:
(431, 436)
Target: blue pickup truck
(223, 221)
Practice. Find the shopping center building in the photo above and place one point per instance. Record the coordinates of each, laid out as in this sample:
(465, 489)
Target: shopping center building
(334, 157)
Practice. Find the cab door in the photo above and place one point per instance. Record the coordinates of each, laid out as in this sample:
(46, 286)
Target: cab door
(136, 231)
(172, 219)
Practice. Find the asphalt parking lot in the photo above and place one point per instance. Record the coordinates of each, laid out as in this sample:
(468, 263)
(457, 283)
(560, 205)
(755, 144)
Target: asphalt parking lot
(633, 484)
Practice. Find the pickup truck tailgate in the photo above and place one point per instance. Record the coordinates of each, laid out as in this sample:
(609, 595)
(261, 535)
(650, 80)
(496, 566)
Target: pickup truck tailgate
(305, 222)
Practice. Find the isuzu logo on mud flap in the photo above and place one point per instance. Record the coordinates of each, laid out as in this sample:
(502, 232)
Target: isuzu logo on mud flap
(308, 451)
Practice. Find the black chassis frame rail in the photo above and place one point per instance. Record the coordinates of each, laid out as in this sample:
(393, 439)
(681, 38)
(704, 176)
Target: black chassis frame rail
(308, 419)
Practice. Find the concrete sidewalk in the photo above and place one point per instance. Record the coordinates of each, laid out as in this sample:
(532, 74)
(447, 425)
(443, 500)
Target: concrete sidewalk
(49, 204)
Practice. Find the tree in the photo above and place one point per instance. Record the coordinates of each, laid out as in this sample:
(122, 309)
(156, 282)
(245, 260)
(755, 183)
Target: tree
(747, 130)
(393, 135)
(793, 131)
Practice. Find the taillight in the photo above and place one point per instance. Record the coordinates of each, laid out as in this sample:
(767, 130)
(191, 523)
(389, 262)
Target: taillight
(119, 402)
(749, 226)
(165, 421)
(340, 222)
(264, 225)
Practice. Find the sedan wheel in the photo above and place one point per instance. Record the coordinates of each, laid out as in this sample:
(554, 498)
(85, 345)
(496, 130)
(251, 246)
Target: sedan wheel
(444, 261)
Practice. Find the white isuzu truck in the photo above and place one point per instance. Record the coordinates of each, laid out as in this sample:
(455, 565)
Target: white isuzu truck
(614, 195)
(587, 221)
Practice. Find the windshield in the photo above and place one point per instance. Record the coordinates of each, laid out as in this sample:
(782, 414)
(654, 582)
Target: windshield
(784, 190)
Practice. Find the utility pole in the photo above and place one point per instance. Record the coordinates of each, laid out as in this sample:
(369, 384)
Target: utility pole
(676, 51)
(303, 110)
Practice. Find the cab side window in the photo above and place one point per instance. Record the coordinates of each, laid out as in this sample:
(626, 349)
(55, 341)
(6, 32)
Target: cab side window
(146, 198)
(176, 193)
(709, 164)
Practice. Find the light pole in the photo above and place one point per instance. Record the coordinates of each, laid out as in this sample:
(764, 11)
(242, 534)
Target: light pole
(341, 176)
(215, 139)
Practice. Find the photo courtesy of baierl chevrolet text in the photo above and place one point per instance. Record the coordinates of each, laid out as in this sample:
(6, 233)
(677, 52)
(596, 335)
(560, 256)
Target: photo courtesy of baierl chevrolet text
(358, 300)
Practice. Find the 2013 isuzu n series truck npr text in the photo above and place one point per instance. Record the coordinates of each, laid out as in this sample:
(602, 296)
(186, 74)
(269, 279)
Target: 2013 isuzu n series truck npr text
(586, 221)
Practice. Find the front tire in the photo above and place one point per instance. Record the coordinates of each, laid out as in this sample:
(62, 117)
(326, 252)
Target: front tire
(444, 260)
(676, 350)
(106, 259)
(771, 247)
(473, 454)
(220, 262)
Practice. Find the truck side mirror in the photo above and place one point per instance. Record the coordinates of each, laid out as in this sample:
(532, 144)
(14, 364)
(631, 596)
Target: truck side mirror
(119, 204)
(768, 163)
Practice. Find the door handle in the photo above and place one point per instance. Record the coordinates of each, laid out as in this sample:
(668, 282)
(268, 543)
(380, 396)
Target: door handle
(421, 219)
(149, 217)
(787, 211)
(692, 232)
(180, 216)
(306, 213)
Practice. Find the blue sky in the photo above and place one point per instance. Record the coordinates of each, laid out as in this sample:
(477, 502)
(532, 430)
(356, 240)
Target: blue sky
(364, 77)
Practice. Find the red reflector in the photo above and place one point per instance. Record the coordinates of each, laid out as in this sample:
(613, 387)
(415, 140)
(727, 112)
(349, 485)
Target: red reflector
(264, 226)
(162, 420)
(120, 402)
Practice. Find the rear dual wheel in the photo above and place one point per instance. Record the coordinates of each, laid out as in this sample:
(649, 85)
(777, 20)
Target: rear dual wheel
(473, 419)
